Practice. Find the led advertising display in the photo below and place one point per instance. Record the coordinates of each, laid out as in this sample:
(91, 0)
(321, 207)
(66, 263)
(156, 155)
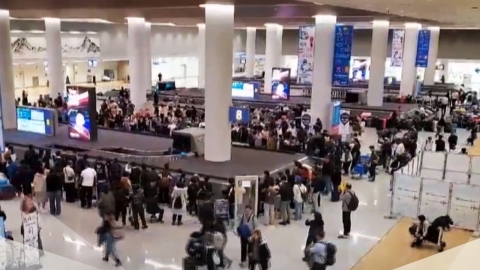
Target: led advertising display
(82, 122)
(245, 89)
(36, 120)
(281, 83)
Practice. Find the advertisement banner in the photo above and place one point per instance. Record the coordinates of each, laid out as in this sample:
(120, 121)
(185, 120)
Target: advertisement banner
(342, 54)
(398, 38)
(82, 114)
(30, 239)
(281, 83)
(306, 45)
(359, 69)
(335, 124)
(344, 128)
(423, 46)
(36, 120)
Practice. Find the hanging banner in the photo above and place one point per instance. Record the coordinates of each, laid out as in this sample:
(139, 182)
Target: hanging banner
(397, 48)
(344, 128)
(423, 46)
(342, 54)
(335, 117)
(30, 239)
(306, 44)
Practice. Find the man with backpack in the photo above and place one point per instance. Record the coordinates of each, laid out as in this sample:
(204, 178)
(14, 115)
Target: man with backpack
(349, 204)
(322, 253)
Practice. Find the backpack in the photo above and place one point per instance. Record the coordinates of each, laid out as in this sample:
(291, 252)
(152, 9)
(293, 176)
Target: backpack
(177, 203)
(354, 202)
(303, 194)
(331, 258)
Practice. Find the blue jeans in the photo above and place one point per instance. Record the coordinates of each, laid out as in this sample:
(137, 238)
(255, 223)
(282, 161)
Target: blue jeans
(298, 210)
(110, 246)
(55, 198)
(328, 184)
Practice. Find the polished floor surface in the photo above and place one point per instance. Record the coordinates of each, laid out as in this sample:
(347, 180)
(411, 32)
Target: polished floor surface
(394, 250)
(71, 235)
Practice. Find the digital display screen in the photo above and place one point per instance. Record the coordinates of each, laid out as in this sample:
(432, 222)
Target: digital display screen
(80, 120)
(36, 120)
(245, 89)
(238, 115)
(281, 83)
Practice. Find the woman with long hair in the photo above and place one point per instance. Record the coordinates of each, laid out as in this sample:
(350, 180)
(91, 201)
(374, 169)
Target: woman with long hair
(259, 251)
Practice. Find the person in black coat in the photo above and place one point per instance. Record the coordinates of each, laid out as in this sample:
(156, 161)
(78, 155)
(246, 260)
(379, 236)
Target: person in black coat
(452, 141)
(314, 226)
(440, 144)
(24, 178)
(261, 254)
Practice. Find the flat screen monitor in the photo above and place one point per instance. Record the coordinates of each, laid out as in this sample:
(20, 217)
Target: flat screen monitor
(82, 120)
(36, 120)
(281, 83)
(247, 90)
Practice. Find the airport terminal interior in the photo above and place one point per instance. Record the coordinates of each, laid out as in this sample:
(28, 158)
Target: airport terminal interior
(375, 61)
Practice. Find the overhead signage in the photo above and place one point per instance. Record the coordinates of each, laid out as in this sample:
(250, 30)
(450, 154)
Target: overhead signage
(344, 128)
(423, 46)
(342, 54)
(335, 117)
(238, 115)
(306, 46)
(280, 83)
(398, 39)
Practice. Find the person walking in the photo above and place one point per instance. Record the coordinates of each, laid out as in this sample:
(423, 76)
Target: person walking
(247, 224)
(179, 199)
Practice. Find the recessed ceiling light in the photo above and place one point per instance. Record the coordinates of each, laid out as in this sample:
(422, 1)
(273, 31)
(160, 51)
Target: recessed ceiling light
(16, 31)
(164, 24)
(75, 32)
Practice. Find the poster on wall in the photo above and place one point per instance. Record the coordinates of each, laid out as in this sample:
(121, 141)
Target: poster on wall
(423, 46)
(359, 69)
(342, 54)
(81, 106)
(306, 45)
(398, 38)
(281, 83)
(24, 47)
(335, 118)
(344, 126)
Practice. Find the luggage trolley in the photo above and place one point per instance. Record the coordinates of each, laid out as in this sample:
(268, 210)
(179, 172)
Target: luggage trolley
(361, 168)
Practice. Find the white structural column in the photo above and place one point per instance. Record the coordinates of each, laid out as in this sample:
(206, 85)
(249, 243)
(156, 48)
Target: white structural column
(429, 78)
(136, 63)
(409, 69)
(218, 80)
(54, 56)
(201, 55)
(377, 65)
(7, 87)
(148, 56)
(250, 52)
(273, 53)
(322, 69)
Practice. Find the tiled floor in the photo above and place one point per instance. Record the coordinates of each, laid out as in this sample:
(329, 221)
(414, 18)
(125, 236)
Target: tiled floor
(72, 237)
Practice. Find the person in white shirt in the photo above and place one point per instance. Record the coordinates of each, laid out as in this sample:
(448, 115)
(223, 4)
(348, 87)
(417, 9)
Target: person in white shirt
(400, 150)
(428, 144)
(444, 105)
(454, 98)
(69, 185)
(299, 191)
(88, 178)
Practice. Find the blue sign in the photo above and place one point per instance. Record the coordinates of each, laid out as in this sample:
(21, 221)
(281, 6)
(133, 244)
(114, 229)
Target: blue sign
(238, 115)
(2, 228)
(336, 112)
(423, 45)
(341, 55)
(36, 120)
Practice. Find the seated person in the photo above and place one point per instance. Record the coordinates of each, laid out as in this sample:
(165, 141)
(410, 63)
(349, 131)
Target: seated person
(420, 231)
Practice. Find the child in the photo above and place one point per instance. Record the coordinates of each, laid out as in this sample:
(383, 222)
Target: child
(259, 251)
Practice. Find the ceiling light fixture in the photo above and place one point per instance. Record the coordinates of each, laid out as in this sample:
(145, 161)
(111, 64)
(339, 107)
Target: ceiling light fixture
(200, 25)
(16, 31)
(413, 25)
(91, 32)
(218, 7)
(86, 20)
(37, 31)
(272, 25)
(74, 32)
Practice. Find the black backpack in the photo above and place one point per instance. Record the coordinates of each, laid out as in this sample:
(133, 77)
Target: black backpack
(354, 202)
(331, 257)
(177, 203)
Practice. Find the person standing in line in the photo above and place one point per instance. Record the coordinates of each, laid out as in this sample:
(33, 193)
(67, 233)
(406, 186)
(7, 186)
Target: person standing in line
(138, 199)
(349, 204)
(102, 176)
(318, 186)
(269, 203)
(372, 169)
(286, 196)
(54, 191)
(299, 194)
(179, 199)
(69, 183)
(88, 179)
(247, 224)
(40, 188)
(121, 193)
